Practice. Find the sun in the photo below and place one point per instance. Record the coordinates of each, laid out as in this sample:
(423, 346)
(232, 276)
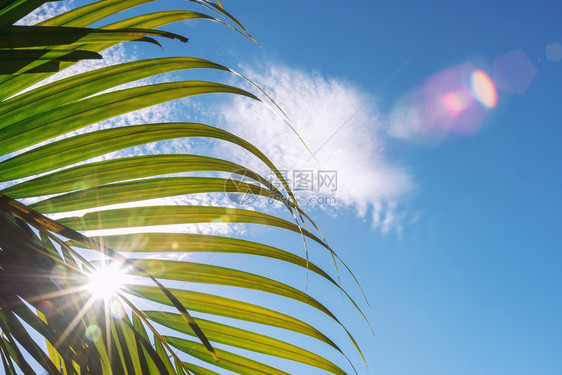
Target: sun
(106, 281)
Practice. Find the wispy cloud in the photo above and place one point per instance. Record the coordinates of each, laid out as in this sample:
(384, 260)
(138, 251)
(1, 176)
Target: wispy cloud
(317, 107)
(46, 11)
(367, 181)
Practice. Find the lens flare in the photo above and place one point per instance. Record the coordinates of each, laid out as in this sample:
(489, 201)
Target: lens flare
(107, 281)
(155, 267)
(116, 309)
(514, 72)
(46, 307)
(483, 89)
(59, 275)
(456, 102)
(93, 333)
(452, 102)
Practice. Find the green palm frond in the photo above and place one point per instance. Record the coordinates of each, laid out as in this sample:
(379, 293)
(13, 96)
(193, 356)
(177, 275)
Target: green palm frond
(44, 272)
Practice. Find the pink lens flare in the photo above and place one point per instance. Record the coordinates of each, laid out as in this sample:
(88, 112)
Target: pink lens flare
(455, 101)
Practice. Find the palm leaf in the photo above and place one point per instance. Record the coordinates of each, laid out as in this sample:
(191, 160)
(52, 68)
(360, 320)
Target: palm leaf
(44, 271)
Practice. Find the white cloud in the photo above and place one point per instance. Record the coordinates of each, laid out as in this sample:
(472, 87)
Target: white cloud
(317, 106)
(324, 111)
(45, 11)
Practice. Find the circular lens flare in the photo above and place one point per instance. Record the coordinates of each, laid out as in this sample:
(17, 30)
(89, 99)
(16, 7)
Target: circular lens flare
(107, 281)
(93, 333)
(456, 102)
(484, 89)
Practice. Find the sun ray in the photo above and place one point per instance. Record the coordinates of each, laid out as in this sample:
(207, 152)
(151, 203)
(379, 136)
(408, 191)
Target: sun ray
(75, 321)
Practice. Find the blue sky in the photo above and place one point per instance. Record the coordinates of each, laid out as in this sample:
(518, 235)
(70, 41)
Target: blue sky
(479, 270)
(463, 276)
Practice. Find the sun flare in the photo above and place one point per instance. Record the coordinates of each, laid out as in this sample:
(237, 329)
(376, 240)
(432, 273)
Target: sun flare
(106, 281)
